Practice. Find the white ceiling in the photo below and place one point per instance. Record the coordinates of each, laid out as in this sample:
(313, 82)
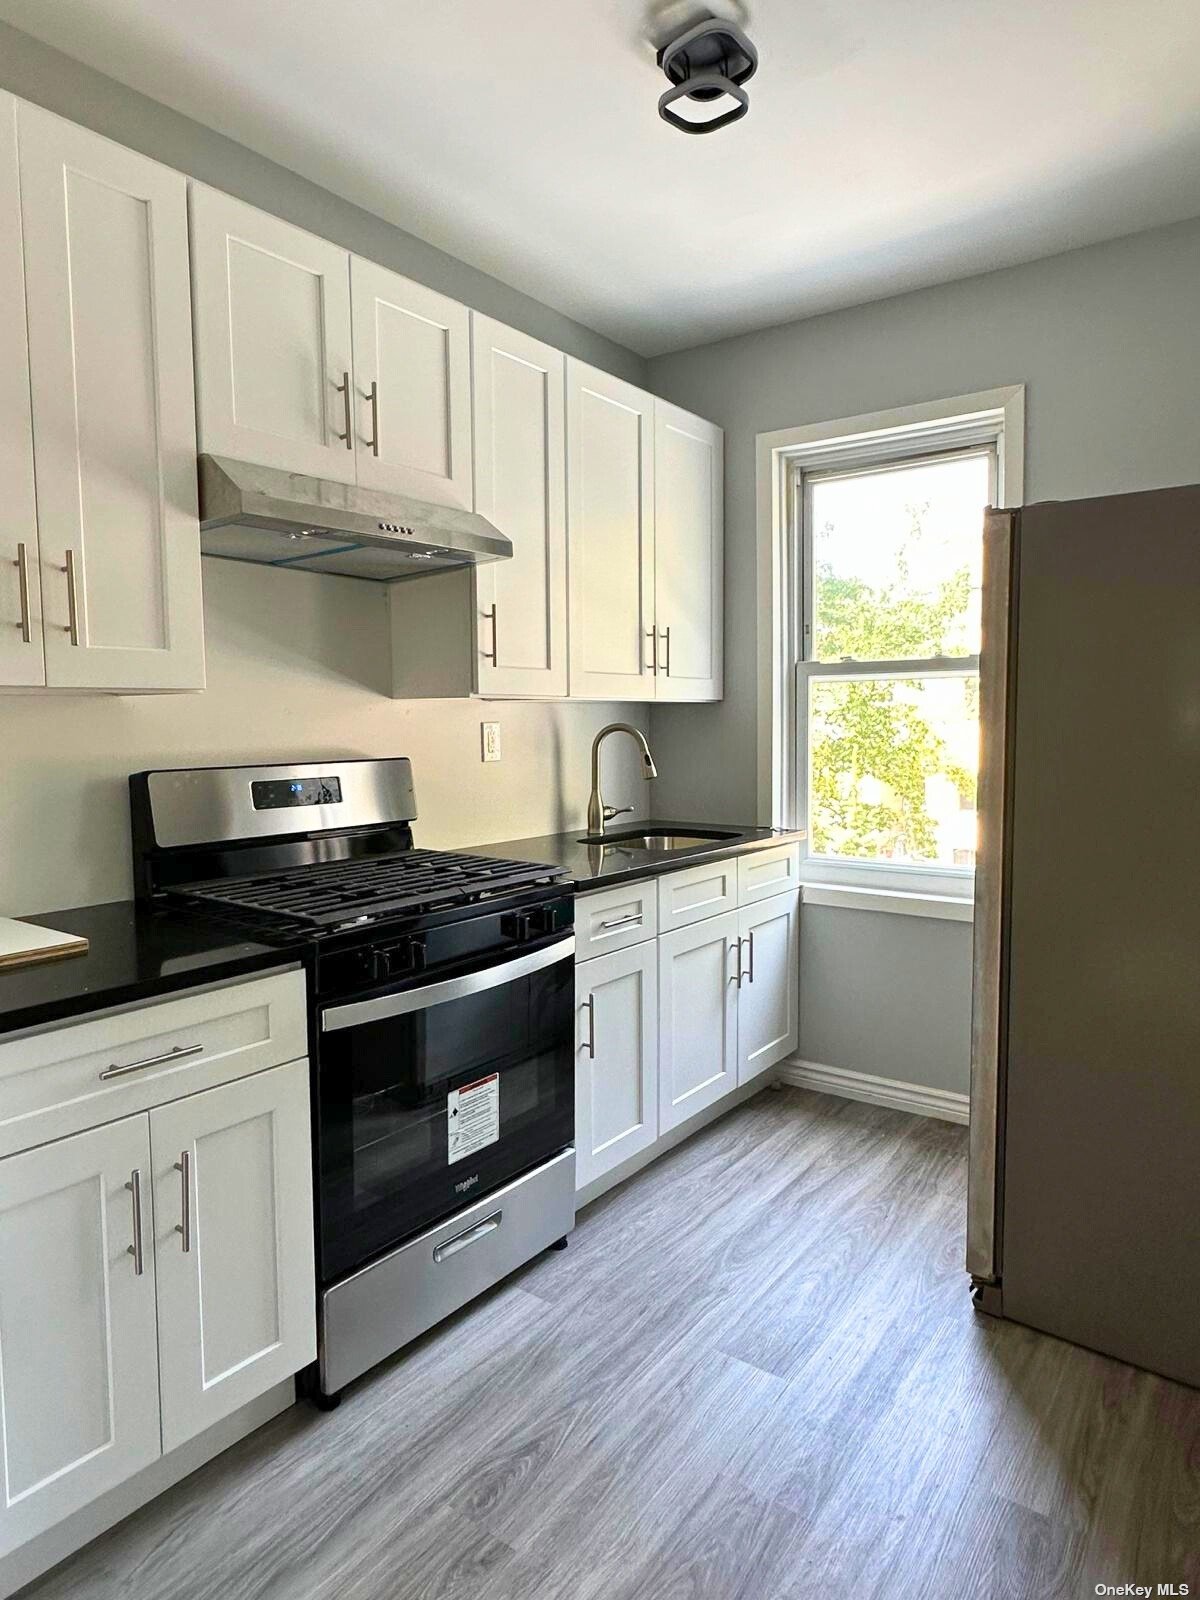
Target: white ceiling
(890, 143)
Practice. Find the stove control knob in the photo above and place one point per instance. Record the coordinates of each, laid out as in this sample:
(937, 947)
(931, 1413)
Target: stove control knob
(518, 926)
(394, 960)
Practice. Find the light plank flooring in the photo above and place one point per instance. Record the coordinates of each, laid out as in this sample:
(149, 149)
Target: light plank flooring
(755, 1375)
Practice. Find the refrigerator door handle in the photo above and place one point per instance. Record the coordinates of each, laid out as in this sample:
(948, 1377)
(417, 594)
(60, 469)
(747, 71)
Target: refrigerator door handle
(990, 959)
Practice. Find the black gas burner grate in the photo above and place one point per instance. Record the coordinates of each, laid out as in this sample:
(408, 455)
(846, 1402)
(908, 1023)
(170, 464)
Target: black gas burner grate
(336, 894)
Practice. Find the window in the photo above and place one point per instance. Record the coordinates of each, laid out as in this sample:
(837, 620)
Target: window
(890, 668)
(872, 667)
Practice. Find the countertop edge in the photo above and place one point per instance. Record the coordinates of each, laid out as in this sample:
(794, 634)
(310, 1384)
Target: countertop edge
(566, 846)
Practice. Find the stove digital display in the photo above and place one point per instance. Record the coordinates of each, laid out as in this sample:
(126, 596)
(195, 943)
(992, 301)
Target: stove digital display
(275, 793)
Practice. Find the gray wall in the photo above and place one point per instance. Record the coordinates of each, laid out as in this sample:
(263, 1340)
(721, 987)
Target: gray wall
(1107, 342)
(298, 666)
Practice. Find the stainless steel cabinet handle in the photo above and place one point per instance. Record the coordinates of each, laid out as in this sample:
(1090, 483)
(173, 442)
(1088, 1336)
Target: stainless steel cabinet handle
(633, 920)
(184, 1226)
(135, 1249)
(22, 566)
(664, 633)
(72, 623)
(373, 397)
(469, 1236)
(589, 1044)
(750, 968)
(737, 963)
(652, 635)
(152, 1061)
(492, 655)
(343, 389)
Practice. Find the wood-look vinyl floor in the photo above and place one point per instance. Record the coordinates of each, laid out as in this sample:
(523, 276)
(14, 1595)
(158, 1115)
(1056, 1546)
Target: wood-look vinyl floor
(755, 1375)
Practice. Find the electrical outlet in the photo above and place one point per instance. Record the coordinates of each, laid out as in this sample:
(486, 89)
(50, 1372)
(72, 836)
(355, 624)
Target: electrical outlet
(490, 732)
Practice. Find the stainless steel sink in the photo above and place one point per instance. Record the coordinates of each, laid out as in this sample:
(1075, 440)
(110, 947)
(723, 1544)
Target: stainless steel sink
(657, 840)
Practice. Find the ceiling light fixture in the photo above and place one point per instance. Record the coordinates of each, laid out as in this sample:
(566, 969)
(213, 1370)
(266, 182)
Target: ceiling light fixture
(706, 62)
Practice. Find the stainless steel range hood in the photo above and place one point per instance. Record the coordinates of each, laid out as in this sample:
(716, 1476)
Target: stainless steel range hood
(284, 519)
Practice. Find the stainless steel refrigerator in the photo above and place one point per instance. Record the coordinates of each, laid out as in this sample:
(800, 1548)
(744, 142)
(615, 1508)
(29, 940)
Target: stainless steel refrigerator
(1084, 1208)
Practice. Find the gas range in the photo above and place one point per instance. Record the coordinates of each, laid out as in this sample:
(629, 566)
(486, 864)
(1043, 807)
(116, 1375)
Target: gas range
(441, 1028)
(309, 852)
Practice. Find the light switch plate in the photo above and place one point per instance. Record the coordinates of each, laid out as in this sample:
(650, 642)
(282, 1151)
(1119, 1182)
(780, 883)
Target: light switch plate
(490, 740)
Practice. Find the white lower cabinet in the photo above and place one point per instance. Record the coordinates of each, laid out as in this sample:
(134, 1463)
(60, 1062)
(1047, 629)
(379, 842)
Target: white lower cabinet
(616, 1059)
(768, 990)
(233, 1240)
(672, 1024)
(156, 1271)
(78, 1349)
(697, 997)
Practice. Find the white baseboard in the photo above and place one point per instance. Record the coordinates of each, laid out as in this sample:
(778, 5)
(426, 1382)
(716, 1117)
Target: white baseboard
(918, 1098)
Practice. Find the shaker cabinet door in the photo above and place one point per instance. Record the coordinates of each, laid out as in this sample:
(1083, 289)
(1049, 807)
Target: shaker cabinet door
(768, 996)
(114, 426)
(520, 486)
(689, 543)
(273, 371)
(610, 534)
(616, 1059)
(697, 1008)
(21, 659)
(78, 1352)
(412, 374)
(234, 1240)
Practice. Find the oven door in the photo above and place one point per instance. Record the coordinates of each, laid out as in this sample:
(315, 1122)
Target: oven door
(430, 1095)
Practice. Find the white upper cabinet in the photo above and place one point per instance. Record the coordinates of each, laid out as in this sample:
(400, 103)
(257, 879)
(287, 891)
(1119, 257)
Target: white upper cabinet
(21, 657)
(234, 1245)
(113, 410)
(610, 519)
(78, 1348)
(412, 372)
(520, 485)
(273, 368)
(688, 554)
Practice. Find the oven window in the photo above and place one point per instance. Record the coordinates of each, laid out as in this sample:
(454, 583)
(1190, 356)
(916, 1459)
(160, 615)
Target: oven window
(502, 1060)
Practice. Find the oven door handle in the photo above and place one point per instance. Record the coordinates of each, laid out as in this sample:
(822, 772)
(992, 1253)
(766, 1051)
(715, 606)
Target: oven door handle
(334, 1018)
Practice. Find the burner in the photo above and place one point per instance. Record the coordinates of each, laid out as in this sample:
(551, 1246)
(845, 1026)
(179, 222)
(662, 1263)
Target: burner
(349, 893)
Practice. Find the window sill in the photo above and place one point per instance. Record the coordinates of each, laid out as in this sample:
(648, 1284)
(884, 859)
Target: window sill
(941, 907)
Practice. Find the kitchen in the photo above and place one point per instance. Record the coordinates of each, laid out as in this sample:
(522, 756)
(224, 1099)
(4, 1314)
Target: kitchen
(312, 674)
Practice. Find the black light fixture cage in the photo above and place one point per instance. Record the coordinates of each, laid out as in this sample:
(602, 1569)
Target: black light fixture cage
(706, 61)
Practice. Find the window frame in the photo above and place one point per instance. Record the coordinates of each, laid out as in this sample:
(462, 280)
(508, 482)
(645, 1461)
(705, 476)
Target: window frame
(789, 462)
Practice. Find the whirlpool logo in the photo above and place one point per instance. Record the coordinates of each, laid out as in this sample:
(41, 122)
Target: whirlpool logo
(467, 1183)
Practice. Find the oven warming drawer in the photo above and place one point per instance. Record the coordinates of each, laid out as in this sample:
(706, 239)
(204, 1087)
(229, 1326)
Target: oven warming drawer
(374, 1312)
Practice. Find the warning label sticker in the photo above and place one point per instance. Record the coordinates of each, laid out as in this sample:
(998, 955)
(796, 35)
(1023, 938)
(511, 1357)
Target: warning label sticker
(473, 1117)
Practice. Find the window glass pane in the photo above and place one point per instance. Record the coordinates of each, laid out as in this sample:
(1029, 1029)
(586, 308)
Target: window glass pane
(892, 769)
(897, 561)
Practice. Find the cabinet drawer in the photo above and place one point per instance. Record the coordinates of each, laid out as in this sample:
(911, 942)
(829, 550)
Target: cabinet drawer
(613, 919)
(61, 1081)
(762, 873)
(697, 892)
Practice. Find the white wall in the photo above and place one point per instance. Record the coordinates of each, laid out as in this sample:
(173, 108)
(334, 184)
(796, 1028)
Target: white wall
(297, 669)
(1107, 342)
(298, 665)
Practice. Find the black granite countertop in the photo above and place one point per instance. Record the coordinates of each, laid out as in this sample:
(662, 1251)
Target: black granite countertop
(133, 954)
(595, 866)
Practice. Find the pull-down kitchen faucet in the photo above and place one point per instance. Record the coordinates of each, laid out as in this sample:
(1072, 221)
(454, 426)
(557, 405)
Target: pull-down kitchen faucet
(598, 813)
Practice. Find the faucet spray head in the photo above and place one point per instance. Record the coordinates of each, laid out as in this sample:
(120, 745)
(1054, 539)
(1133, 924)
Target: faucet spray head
(651, 771)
